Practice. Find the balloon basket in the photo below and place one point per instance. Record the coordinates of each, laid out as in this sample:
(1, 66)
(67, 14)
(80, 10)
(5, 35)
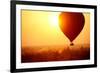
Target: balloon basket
(71, 44)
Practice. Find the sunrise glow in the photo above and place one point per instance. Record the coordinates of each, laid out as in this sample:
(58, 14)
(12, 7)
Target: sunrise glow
(39, 27)
(54, 20)
(42, 39)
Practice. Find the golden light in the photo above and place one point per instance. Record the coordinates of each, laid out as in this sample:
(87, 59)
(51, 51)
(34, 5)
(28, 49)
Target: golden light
(39, 27)
(54, 21)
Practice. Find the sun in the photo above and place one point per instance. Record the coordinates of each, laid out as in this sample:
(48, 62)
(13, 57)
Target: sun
(54, 19)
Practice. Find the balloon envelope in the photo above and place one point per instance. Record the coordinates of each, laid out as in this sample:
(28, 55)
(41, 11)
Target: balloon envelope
(71, 24)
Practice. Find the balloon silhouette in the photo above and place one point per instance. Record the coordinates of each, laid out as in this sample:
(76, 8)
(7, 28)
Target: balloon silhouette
(71, 24)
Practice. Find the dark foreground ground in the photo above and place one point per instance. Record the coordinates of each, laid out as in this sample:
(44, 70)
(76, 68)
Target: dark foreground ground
(55, 53)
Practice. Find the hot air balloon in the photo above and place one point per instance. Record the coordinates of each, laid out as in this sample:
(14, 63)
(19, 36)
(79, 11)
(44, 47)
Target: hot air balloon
(71, 24)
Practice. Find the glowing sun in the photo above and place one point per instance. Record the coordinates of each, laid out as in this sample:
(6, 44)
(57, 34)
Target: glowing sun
(54, 19)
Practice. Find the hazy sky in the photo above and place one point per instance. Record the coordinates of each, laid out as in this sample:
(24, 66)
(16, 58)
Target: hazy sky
(41, 28)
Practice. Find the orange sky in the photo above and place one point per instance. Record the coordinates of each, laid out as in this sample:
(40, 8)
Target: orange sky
(41, 28)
